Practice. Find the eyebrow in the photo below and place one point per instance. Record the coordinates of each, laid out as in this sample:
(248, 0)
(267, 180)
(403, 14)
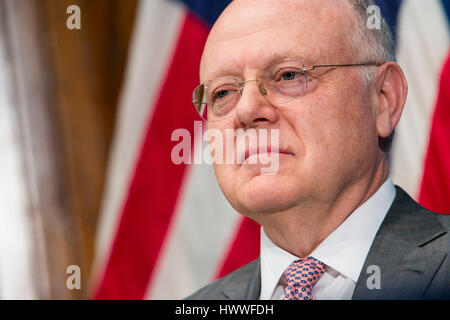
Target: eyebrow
(273, 59)
(232, 68)
(279, 57)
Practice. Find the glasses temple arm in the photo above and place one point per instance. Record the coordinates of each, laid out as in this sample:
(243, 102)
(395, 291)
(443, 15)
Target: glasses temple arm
(368, 64)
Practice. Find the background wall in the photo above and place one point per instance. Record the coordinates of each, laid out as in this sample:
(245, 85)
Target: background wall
(88, 67)
(63, 88)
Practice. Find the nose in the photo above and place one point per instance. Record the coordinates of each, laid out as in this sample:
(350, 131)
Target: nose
(259, 83)
(254, 108)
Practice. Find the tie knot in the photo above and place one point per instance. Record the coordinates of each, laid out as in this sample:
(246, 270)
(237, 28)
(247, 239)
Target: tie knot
(301, 276)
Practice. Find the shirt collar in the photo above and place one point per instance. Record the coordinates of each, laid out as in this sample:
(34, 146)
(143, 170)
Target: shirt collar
(344, 250)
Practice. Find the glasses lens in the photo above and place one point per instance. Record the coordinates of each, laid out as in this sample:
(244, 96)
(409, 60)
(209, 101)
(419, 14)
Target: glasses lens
(216, 100)
(199, 101)
(289, 86)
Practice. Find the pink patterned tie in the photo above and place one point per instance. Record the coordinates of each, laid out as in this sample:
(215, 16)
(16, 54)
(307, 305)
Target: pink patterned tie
(301, 277)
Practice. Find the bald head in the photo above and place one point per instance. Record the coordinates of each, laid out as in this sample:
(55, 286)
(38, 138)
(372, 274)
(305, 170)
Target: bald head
(345, 20)
(319, 28)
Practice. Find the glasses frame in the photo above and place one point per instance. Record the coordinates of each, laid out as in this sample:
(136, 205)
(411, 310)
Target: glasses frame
(197, 104)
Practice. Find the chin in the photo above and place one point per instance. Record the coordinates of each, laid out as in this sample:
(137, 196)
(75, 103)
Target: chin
(266, 194)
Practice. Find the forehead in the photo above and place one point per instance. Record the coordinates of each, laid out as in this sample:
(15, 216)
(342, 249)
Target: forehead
(251, 34)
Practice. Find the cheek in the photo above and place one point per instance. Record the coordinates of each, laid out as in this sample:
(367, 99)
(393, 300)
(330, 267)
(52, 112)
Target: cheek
(230, 182)
(333, 125)
(221, 171)
(317, 124)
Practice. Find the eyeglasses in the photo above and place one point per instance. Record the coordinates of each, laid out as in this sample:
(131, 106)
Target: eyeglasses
(281, 83)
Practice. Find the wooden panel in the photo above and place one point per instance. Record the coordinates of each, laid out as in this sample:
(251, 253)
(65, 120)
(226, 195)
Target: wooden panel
(87, 68)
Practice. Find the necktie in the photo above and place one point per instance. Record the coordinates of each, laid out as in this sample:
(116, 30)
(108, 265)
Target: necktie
(301, 276)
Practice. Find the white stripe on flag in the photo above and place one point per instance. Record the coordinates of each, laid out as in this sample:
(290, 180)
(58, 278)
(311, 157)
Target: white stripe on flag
(202, 229)
(156, 30)
(423, 43)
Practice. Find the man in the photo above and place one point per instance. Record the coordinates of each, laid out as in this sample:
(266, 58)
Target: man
(333, 224)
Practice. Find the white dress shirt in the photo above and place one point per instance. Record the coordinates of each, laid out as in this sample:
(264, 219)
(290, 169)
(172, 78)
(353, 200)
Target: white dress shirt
(343, 252)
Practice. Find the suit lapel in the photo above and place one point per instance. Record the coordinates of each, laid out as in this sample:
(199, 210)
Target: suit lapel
(245, 284)
(408, 251)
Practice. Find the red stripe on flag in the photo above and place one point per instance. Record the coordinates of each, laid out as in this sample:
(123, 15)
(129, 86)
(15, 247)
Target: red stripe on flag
(154, 190)
(435, 189)
(245, 247)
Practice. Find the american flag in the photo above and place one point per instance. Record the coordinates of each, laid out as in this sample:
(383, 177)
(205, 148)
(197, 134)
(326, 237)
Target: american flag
(166, 230)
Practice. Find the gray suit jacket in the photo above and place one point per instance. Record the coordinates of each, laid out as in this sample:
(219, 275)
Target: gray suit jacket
(411, 248)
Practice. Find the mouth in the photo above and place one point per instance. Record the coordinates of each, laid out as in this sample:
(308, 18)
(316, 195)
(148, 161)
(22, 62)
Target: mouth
(263, 150)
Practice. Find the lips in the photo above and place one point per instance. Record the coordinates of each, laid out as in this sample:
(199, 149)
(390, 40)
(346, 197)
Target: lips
(261, 150)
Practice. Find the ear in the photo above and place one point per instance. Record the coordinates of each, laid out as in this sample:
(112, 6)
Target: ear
(391, 89)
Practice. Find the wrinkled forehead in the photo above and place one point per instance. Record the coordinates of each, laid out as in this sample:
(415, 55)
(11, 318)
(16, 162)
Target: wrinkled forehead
(251, 34)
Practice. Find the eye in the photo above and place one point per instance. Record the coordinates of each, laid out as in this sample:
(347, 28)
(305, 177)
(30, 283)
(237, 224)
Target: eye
(221, 94)
(292, 75)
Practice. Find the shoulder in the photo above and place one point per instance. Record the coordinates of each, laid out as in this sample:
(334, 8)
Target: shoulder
(412, 222)
(410, 209)
(236, 282)
(444, 219)
(407, 202)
